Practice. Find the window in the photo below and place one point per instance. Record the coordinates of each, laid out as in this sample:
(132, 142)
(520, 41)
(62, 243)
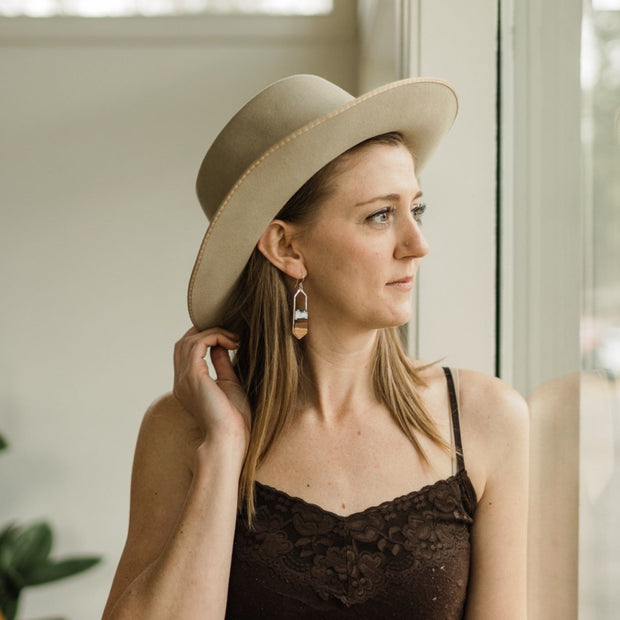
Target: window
(600, 390)
(127, 8)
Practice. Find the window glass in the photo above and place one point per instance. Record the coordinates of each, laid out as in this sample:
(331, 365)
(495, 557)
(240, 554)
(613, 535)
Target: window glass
(600, 394)
(126, 8)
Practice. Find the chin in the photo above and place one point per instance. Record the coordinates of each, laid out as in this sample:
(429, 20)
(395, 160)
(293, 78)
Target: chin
(398, 319)
(403, 316)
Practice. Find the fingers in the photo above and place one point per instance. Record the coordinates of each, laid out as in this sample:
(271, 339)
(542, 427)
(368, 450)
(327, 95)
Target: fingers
(199, 342)
(193, 331)
(216, 403)
(190, 350)
(222, 364)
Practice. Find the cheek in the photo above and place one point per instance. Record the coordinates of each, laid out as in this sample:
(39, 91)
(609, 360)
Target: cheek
(341, 257)
(347, 258)
(348, 274)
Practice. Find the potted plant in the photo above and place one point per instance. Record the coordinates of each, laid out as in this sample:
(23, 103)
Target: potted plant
(25, 561)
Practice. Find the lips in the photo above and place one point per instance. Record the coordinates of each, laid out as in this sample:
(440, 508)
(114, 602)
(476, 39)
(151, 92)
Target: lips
(403, 283)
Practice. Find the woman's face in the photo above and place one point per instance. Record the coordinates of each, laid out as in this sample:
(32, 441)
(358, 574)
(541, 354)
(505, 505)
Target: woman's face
(362, 249)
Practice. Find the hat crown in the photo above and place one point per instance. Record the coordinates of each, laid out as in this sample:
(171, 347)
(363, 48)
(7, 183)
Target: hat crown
(268, 118)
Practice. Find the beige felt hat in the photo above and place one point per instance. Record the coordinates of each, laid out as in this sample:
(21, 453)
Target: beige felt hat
(275, 143)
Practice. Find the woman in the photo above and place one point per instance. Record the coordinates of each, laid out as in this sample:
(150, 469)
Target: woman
(268, 490)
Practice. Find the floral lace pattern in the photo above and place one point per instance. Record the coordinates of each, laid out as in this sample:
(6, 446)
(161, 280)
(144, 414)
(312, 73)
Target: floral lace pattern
(409, 554)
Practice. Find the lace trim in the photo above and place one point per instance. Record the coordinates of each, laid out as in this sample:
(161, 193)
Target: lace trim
(354, 557)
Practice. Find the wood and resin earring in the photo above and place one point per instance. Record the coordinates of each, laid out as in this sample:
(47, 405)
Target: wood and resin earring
(300, 311)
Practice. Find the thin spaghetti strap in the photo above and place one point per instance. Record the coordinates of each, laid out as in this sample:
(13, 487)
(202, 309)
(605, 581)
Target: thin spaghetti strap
(456, 426)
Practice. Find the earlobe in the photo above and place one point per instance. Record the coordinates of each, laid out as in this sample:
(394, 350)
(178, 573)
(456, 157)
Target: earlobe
(277, 244)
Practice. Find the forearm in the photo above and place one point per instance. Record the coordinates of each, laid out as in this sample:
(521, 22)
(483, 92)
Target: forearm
(189, 578)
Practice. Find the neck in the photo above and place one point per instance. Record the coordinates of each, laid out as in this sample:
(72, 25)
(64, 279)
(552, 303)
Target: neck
(338, 374)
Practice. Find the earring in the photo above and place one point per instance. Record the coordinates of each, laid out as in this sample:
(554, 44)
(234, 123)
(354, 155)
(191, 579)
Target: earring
(300, 311)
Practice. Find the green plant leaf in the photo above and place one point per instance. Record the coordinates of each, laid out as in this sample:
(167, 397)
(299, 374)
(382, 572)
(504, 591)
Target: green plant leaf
(13, 581)
(9, 595)
(9, 608)
(32, 547)
(52, 571)
(9, 530)
(3, 443)
(8, 538)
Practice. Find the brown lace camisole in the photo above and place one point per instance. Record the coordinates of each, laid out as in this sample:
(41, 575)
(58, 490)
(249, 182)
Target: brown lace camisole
(407, 558)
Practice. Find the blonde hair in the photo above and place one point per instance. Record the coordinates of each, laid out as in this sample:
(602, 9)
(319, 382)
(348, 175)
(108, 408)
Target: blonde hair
(269, 359)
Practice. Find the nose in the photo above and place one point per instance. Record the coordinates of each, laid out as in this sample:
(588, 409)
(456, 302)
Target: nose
(411, 242)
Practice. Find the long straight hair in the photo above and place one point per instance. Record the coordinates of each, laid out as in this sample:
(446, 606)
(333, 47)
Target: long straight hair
(269, 359)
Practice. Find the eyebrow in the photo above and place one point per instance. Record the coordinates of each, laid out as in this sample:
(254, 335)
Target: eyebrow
(386, 198)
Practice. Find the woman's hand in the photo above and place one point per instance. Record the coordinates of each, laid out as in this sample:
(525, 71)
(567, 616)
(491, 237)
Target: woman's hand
(219, 405)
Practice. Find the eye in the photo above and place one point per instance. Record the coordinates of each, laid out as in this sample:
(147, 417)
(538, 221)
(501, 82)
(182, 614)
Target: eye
(418, 211)
(381, 217)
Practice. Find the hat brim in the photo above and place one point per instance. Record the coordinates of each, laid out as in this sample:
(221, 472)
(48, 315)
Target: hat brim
(421, 109)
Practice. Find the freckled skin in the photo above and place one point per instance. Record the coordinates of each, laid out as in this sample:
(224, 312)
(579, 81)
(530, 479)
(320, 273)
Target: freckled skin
(353, 252)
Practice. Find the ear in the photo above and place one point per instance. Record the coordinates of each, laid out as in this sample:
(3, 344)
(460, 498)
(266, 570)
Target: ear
(278, 245)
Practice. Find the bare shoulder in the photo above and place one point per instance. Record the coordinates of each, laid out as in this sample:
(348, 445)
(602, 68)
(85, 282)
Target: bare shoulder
(495, 428)
(166, 408)
(484, 400)
(490, 406)
(166, 413)
(168, 429)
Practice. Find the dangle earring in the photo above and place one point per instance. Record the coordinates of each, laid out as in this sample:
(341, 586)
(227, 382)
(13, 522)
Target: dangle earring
(300, 311)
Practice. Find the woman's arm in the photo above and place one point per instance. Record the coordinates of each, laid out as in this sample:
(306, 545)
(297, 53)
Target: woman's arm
(176, 560)
(495, 444)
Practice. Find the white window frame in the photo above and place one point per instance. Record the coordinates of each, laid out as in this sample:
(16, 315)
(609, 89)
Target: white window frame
(540, 191)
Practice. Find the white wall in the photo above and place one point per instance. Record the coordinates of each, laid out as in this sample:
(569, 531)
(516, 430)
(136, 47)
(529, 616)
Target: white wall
(104, 125)
(457, 41)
